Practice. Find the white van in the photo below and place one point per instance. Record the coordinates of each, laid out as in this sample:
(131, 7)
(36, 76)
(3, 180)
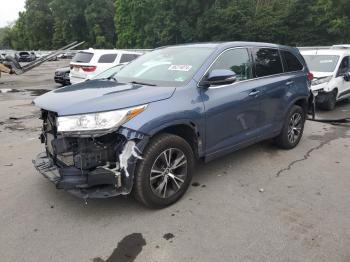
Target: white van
(331, 71)
(89, 63)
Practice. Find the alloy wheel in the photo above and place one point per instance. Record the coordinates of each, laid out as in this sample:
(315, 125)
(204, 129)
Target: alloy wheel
(295, 127)
(168, 173)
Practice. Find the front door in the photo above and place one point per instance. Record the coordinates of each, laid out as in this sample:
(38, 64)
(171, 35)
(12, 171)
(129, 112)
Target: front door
(342, 85)
(232, 112)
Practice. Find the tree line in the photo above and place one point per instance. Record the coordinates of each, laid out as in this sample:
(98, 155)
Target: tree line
(49, 24)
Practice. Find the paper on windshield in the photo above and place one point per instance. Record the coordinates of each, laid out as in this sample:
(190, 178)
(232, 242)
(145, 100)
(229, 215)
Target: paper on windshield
(184, 68)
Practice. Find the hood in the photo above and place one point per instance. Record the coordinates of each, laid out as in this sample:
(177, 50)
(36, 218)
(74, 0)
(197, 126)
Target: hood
(321, 74)
(100, 95)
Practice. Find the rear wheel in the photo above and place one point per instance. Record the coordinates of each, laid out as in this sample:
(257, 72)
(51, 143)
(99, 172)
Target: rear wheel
(293, 128)
(164, 174)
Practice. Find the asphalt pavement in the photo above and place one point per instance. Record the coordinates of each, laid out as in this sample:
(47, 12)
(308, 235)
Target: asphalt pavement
(258, 204)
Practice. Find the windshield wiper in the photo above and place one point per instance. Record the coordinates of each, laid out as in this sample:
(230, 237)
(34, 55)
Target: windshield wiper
(112, 78)
(140, 83)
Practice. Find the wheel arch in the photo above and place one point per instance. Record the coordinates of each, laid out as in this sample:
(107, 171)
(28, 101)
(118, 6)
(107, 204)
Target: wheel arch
(186, 130)
(303, 103)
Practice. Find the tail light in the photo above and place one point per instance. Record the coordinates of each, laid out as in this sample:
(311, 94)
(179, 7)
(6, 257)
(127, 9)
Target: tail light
(88, 68)
(310, 76)
(84, 68)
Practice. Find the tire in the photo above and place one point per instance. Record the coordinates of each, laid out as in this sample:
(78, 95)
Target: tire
(148, 185)
(293, 129)
(330, 102)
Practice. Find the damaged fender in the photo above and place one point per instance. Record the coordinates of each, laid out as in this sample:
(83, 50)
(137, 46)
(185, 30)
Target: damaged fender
(131, 153)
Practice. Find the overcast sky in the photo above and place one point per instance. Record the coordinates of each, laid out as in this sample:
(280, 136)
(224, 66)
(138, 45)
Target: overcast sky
(9, 11)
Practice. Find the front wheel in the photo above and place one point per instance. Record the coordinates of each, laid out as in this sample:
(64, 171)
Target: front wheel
(165, 172)
(293, 128)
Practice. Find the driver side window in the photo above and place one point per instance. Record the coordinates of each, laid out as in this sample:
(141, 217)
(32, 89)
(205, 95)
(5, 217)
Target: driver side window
(344, 66)
(236, 60)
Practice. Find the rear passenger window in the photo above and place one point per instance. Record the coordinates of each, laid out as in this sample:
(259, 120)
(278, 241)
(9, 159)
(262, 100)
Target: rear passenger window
(128, 57)
(291, 62)
(108, 58)
(267, 62)
(236, 60)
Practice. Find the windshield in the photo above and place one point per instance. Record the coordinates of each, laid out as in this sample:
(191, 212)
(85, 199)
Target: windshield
(109, 73)
(173, 66)
(322, 63)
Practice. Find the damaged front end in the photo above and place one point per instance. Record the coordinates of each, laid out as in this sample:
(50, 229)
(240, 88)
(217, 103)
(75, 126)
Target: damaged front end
(89, 166)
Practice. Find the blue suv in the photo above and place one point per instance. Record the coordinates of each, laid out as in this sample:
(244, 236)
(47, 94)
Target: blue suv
(142, 129)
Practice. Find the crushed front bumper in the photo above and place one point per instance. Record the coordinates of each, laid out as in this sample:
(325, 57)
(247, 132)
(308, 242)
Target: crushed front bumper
(45, 166)
(90, 166)
(102, 182)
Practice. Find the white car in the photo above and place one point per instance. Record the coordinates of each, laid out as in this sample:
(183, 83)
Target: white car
(89, 63)
(331, 71)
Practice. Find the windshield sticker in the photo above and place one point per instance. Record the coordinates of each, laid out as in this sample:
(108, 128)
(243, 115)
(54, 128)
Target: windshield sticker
(184, 68)
(326, 61)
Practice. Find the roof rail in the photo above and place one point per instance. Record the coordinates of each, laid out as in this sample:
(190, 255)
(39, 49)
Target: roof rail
(314, 47)
(345, 46)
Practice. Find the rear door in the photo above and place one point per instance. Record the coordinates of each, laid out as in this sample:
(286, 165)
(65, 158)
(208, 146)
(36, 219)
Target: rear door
(274, 85)
(232, 112)
(342, 85)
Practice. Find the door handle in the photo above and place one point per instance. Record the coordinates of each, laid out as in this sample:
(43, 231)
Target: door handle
(289, 83)
(254, 92)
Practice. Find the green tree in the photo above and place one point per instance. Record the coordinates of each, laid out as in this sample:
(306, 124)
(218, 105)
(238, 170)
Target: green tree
(38, 24)
(69, 21)
(99, 16)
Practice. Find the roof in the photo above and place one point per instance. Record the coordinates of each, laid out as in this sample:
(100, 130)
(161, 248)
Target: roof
(339, 52)
(109, 51)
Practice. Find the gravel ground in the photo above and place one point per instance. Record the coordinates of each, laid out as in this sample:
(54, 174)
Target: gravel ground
(258, 204)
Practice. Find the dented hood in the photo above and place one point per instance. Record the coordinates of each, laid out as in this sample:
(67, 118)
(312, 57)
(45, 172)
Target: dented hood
(100, 95)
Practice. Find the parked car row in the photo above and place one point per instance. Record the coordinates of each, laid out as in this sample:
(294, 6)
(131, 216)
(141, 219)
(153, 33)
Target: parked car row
(30, 56)
(25, 56)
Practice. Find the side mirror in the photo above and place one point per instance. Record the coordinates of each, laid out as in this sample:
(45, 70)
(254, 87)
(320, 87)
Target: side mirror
(347, 76)
(219, 77)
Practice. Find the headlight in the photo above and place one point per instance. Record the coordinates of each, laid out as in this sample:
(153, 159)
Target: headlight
(97, 121)
(322, 80)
